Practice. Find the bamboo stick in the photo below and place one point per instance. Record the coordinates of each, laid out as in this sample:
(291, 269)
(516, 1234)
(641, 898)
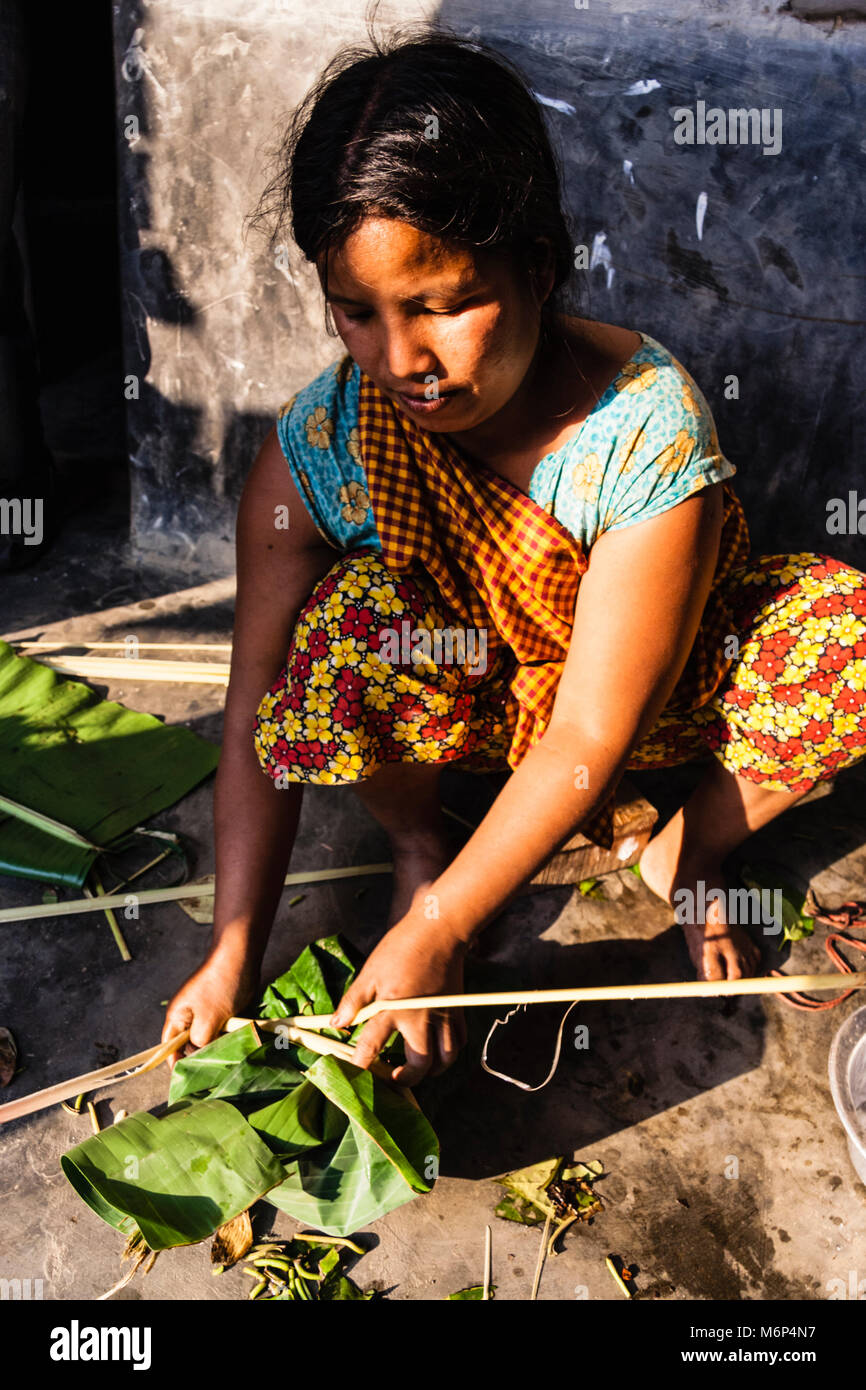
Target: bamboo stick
(204, 888)
(152, 1056)
(314, 1042)
(681, 989)
(303, 1025)
(488, 1254)
(135, 669)
(110, 1075)
(121, 642)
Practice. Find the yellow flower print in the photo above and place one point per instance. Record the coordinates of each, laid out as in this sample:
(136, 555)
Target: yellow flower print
(404, 730)
(586, 477)
(380, 699)
(267, 733)
(848, 629)
(815, 705)
(382, 593)
(334, 609)
(320, 673)
(317, 726)
(636, 376)
(345, 651)
(844, 723)
(671, 459)
(292, 726)
(632, 444)
(286, 407)
(356, 503)
(344, 763)
(404, 684)
(319, 428)
(319, 701)
(373, 669)
(353, 444)
(689, 400)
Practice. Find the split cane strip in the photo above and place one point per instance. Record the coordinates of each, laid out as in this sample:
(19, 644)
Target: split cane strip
(303, 1029)
(147, 1060)
(682, 989)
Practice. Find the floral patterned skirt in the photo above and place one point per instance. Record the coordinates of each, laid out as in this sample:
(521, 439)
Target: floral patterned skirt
(790, 712)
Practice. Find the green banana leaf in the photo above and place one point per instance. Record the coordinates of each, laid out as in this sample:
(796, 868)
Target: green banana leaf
(87, 763)
(253, 1117)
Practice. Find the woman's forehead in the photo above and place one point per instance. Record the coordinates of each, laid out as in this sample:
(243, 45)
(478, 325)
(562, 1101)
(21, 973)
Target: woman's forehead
(389, 254)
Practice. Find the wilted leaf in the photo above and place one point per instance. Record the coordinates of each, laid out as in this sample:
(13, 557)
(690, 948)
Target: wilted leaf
(530, 1184)
(475, 1293)
(232, 1241)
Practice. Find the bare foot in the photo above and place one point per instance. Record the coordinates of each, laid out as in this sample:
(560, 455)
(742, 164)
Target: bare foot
(418, 861)
(719, 949)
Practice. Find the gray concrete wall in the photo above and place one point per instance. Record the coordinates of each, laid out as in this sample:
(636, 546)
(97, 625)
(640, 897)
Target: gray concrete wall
(745, 264)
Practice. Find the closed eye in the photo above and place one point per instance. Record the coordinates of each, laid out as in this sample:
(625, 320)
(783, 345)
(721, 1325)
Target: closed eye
(418, 309)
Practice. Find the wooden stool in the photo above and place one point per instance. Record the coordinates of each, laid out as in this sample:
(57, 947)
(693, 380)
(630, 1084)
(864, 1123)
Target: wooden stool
(633, 820)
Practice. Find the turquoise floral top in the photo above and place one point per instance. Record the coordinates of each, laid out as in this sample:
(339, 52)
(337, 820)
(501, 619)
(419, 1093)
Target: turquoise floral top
(648, 443)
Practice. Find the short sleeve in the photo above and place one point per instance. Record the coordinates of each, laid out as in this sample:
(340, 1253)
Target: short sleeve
(666, 450)
(319, 437)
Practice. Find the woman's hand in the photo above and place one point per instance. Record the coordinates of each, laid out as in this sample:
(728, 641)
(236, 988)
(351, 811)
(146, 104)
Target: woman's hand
(221, 988)
(416, 957)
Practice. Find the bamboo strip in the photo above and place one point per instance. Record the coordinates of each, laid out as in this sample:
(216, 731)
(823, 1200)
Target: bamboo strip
(104, 1076)
(314, 1042)
(46, 823)
(202, 889)
(681, 989)
(147, 1060)
(141, 646)
(135, 669)
(488, 1259)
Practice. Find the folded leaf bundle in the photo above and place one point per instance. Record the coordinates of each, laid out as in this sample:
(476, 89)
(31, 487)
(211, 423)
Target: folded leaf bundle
(77, 772)
(251, 1117)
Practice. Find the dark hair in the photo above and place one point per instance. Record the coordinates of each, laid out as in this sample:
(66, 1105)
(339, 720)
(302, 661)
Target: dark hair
(433, 129)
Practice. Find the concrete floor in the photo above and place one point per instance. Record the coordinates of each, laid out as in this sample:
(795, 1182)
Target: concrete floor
(667, 1095)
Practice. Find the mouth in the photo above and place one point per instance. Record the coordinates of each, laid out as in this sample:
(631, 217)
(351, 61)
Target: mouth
(423, 405)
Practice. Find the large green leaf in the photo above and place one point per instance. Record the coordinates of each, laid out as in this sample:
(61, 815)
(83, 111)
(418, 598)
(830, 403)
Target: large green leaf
(178, 1177)
(345, 1146)
(87, 763)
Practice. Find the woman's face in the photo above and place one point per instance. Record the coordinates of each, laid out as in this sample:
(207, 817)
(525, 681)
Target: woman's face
(447, 333)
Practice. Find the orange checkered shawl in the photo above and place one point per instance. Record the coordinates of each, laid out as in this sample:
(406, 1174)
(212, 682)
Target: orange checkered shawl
(503, 564)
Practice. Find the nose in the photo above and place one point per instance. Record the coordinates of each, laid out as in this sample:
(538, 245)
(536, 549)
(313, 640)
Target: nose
(405, 355)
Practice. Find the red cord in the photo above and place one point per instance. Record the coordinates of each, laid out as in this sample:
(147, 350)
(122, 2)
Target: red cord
(848, 916)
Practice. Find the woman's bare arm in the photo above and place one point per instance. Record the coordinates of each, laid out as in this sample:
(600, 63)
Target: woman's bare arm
(254, 821)
(637, 614)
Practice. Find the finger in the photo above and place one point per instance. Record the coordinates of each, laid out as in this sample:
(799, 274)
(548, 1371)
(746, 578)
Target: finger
(372, 1038)
(176, 1021)
(357, 995)
(419, 1047)
(417, 1066)
(204, 1028)
(446, 1043)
